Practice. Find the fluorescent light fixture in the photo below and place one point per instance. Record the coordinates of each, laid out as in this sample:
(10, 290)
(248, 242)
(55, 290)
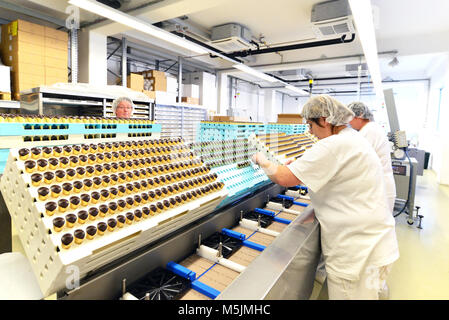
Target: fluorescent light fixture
(255, 73)
(297, 90)
(137, 24)
(363, 18)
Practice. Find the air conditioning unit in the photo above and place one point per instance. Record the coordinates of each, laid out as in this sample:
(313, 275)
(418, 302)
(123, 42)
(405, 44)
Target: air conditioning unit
(332, 18)
(231, 37)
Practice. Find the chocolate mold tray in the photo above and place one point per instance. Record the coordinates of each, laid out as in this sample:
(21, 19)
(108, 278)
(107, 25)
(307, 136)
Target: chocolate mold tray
(52, 261)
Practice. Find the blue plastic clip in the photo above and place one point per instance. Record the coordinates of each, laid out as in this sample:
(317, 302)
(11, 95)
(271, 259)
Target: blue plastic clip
(181, 271)
(282, 220)
(253, 245)
(265, 212)
(233, 234)
(300, 204)
(282, 196)
(205, 289)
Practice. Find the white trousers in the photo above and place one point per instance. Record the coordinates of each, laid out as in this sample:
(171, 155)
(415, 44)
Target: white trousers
(372, 280)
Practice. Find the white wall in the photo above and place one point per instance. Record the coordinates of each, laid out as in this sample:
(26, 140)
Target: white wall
(436, 132)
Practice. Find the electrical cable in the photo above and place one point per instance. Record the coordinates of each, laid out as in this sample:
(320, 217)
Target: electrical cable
(409, 185)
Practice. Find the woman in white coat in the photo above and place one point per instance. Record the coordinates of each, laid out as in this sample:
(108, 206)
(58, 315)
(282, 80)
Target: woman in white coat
(363, 122)
(341, 170)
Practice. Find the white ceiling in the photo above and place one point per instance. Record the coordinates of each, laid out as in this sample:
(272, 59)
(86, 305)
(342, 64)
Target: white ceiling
(417, 30)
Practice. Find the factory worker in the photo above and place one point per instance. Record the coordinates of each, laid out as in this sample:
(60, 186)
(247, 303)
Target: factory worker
(123, 108)
(363, 122)
(342, 171)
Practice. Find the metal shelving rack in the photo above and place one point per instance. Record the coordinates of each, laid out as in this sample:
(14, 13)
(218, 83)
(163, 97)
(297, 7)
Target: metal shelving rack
(55, 101)
(179, 120)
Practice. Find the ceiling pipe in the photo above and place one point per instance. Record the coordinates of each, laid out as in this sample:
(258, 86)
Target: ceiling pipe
(306, 45)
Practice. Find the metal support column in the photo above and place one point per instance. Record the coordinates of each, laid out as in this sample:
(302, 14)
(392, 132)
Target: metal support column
(179, 78)
(74, 54)
(124, 62)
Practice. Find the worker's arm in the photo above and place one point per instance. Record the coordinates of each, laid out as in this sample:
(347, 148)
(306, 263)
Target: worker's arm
(277, 173)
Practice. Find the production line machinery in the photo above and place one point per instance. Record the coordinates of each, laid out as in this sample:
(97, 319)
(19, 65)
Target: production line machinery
(116, 209)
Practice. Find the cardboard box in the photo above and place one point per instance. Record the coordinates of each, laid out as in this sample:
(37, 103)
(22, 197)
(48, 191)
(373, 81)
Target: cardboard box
(24, 57)
(17, 45)
(56, 73)
(150, 94)
(56, 34)
(158, 84)
(52, 80)
(221, 118)
(190, 100)
(17, 26)
(27, 68)
(56, 53)
(135, 82)
(153, 74)
(289, 118)
(24, 81)
(56, 44)
(55, 63)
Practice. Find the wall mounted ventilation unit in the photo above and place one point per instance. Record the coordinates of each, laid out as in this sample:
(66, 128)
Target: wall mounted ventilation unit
(332, 18)
(231, 37)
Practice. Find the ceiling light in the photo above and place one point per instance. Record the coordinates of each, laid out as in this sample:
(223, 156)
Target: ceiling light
(255, 73)
(363, 18)
(137, 24)
(297, 90)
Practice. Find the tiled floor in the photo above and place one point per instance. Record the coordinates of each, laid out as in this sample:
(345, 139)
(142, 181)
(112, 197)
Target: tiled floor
(422, 271)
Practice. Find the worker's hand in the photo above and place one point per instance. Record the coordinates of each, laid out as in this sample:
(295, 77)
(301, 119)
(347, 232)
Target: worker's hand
(288, 162)
(267, 166)
(258, 158)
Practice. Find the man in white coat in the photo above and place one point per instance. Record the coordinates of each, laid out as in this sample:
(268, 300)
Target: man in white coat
(363, 122)
(341, 170)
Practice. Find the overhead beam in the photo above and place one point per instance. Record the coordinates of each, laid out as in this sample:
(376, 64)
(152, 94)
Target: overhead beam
(32, 13)
(157, 12)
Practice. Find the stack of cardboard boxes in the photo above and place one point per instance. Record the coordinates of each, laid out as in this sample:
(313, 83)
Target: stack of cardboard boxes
(190, 94)
(37, 55)
(289, 118)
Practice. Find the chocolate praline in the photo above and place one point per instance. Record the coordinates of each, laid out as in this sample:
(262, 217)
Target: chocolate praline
(79, 234)
(75, 200)
(146, 211)
(102, 226)
(83, 215)
(129, 201)
(95, 195)
(121, 203)
(67, 239)
(93, 212)
(138, 213)
(91, 230)
(71, 218)
(121, 218)
(58, 222)
(103, 208)
(130, 216)
(112, 223)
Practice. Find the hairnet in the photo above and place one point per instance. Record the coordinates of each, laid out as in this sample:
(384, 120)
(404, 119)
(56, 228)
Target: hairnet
(360, 110)
(121, 99)
(325, 106)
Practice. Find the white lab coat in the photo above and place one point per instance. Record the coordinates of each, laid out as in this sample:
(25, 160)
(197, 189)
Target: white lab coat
(357, 229)
(378, 140)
